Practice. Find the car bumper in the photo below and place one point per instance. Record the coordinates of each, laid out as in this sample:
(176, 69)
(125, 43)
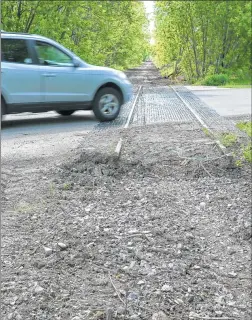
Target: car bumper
(128, 92)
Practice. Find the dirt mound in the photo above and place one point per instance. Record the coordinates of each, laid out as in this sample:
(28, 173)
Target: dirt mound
(181, 157)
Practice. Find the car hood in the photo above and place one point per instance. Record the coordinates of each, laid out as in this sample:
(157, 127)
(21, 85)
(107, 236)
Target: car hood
(99, 69)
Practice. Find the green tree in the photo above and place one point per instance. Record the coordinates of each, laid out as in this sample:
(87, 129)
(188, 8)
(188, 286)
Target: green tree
(199, 38)
(111, 33)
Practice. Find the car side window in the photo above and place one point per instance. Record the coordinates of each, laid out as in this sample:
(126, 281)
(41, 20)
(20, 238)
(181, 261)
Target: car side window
(15, 51)
(52, 56)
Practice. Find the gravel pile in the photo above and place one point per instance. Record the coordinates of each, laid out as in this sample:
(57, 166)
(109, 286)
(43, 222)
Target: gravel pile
(162, 233)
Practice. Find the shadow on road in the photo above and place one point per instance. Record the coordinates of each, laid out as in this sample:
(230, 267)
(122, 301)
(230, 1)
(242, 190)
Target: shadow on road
(45, 121)
(30, 124)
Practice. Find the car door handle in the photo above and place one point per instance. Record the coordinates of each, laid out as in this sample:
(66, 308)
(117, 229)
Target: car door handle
(49, 75)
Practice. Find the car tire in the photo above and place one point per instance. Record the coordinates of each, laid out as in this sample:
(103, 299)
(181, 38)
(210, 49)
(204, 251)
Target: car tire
(65, 112)
(107, 104)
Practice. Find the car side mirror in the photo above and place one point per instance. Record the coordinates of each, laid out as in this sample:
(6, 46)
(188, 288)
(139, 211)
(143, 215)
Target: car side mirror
(76, 63)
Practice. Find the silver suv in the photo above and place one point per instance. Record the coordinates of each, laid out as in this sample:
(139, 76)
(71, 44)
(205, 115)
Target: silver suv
(39, 75)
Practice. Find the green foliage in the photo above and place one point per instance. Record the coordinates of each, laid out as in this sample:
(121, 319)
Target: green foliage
(245, 126)
(228, 139)
(110, 33)
(67, 186)
(216, 80)
(238, 163)
(203, 38)
(247, 152)
(207, 132)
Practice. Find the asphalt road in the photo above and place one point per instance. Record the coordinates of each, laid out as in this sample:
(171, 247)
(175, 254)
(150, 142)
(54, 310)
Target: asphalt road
(44, 137)
(17, 125)
(227, 102)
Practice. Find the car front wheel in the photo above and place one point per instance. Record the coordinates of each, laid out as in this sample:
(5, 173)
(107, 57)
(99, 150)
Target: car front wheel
(65, 112)
(107, 104)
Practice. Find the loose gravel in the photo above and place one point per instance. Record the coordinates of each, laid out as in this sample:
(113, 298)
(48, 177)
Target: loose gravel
(162, 233)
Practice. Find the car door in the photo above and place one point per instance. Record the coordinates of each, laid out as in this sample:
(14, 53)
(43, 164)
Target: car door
(20, 81)
(61, 81)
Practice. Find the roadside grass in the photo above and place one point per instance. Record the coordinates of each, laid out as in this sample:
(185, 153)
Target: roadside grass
(228, 139)
(243, 153)
(246, 150)
(24, 207)
(235, 82)
(239, 80)
(207, 132)
(52, 189)
(245, 126)
(67, 186)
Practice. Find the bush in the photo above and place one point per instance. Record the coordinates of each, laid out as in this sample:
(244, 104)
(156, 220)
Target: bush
(216, 80)
(245, 126)
(247, 153)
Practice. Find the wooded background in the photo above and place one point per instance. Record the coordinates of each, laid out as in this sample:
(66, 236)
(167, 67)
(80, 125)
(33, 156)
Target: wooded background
(195, 39)
(109, 33)
(200, 38)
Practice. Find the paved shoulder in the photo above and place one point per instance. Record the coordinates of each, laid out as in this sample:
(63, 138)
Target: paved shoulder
(227, 102)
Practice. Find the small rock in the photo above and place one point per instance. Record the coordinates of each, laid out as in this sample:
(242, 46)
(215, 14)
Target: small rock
(232, 274)
(140, 282)
(39, 264)
(88, 209)
(132, 264)
(167, 288)
(159, 316)
(196, 267)
(38, 289)
(219, 313)
(220, 299)
(120, 310)
(71, 263)
(202, 205)
(133, 296)
(189, 236)
(179, 246)
(62, 245)
(18, 317)
(152, 272)
(193, 315)
(48, 251)
(179, 301)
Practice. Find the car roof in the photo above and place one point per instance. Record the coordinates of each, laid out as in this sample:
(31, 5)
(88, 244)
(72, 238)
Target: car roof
(17, 35)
